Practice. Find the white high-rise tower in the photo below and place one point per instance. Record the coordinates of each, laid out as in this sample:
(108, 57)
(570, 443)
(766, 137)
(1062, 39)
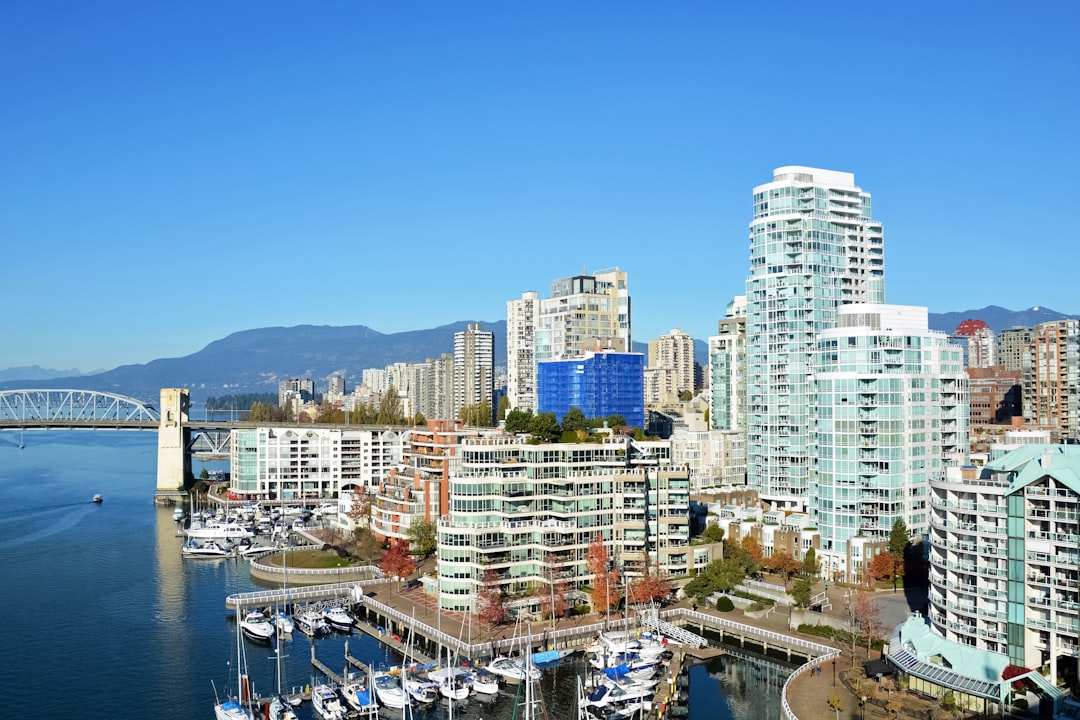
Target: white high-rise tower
(814, 245)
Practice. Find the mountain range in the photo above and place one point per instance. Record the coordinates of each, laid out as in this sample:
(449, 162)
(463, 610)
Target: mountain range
(256, 360)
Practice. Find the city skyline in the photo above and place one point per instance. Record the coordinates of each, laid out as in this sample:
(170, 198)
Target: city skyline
(176, 174)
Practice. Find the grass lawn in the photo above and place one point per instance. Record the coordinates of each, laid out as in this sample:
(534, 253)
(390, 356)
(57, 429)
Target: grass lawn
(315, 559)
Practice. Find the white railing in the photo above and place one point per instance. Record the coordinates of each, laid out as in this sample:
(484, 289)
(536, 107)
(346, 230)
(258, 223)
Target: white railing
(785, 707)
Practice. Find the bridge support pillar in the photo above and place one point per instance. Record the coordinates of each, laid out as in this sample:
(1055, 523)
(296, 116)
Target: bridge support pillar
(173, 460)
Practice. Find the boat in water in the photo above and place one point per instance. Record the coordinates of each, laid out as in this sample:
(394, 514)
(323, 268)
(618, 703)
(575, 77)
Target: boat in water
(233, 532)
(359, 697)
(97, 498)
(327, 704)
(311, 622)
(389, 692)
(338, 618)
(257, 627)
(193, 549)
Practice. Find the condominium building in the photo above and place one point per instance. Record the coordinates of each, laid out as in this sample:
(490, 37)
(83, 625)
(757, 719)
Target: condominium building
(521, 319)
(978, 343)
(583, 307)
(713, 458)
(300, 389)
(1012, 344)
(1005, 559)
(600, 384)
(529, 512)
(995, 395)
(727, 369)
(310, 462)
(890, 412)
(1051, 377)
(335, 388)
(814, 246)
(474, 367)
(675, 352)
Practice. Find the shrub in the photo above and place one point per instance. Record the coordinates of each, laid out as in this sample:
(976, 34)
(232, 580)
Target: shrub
(755, 607)
(724, 604)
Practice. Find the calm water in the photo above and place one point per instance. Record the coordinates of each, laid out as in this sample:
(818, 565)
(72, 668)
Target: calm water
(105, 620)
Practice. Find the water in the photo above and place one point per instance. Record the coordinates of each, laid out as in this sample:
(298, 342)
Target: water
(104, 619)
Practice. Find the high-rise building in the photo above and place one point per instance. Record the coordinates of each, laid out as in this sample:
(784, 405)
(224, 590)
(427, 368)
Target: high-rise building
(675, 351)
(474, 367)
(1012, 344)
(335, 388)
(580, 308)
(814, 246)
(301, 389)
(978, 343)
(727, 370)
(1051, 377)
(521, 317)
(600, 384)
(890, 413)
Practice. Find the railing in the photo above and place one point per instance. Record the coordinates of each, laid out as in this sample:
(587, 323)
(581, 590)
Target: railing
(785, 707)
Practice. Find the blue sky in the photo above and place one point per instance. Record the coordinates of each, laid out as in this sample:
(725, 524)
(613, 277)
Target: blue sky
(174, 172)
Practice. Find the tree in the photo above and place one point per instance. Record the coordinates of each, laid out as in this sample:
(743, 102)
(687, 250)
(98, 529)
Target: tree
(204, 475)
(390, 412)
(784, 564)
(476, 415)
(811, 568)
(866, 616)
(360, 508)
(517, 421)
(574, 420)
(552, 593)
(422, 537)
(802, 592)
(650, 587)
(882, 566)
(504, 406)
(616, 421)
(605, 578)
(489, 601)
(397, 562)
(899, 537)
(749, 554)
(686, 395)
(544, 426)
(368, 548)
(419, 420)
(713, 532)
(327, 413)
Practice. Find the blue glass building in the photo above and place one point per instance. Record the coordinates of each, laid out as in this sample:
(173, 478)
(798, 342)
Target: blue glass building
(599, 383)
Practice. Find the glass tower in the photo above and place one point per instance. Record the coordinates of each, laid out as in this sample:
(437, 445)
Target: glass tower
(814, 246)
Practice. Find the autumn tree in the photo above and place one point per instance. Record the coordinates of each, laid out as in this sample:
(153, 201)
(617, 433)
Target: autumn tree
(419, 420)
(783, 564)
(490, 604)
(397, 562)
(882, 566)
(390, 412)
(650, 587)
(360, 507)
(605, 577)
(329, 414)
(865, 616)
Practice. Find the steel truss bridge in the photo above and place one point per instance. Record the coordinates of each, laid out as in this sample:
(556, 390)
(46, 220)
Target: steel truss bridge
(94, 410)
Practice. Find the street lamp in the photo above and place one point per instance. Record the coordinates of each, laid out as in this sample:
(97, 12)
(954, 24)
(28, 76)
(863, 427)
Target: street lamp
(834, 673)
(862, 708)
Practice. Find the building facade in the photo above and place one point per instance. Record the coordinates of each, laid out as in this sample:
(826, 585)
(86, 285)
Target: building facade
(521, 318)
(1051, 377)
(581, 308)
(890, 413)
(600, 384)
(727, 370)
(474, 367)
(814, 246)
(1012, 345)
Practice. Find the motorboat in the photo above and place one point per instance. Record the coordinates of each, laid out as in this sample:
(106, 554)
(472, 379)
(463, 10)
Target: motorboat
(454, 683)
(610, 694)
(255, 550)
(359, 697)
(194, 549)
(338, 618)
(233, 532)
(614, 641)
(279, 709)
(485, 682)
(283, 622)
(257, 627)
(512, 670)
(389, 692)
(97, 498)
(549, 657)
(327, 704)
(178, 514)
(311, 622)
(421, 690)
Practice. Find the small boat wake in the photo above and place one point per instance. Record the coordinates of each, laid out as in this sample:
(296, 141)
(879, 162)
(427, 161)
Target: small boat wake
(74, 514)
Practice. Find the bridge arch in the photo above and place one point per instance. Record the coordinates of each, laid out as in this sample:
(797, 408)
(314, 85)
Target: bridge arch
(43, 407)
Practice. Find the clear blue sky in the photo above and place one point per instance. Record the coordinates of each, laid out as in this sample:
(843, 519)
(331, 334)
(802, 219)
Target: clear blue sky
(174, 172)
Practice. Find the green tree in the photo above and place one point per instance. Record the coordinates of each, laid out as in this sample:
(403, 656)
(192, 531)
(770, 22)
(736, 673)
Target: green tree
(364, 414)
(801, 592)
(810, 565)
(899, 537)
(616, 421)
(422, 537)
(390, 412)
(419, 420)
(476, 415)
(204, 475)
(713, 532)
(504, 406)
(574, 420)
(686, 395)
(517, 421)
(544, 426)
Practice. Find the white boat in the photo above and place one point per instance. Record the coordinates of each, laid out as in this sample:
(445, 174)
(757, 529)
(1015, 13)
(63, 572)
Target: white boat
(421, 690)
(485, 682)
(97, 498)
(220, 531)
(311, 622)
(338, 618)
(327, 704)
(250, 551)
(194, 549)
(610, 694)
(283, 622)
(389, 692)
(256, 627)
(454, 682)
(178, 514)
(512, 670)
(359, 697)
(230, 708)
(279, 709)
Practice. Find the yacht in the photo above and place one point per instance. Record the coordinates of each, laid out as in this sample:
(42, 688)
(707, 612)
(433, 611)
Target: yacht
(220, 531)
(485, 682)
(512, 670)
(311, 622)
(178, 514)
(256, 627)
(389, 692)
(359, 697)
(327, 704)
(193, 549)
(338, 618)
(97, 498)
(454, 683)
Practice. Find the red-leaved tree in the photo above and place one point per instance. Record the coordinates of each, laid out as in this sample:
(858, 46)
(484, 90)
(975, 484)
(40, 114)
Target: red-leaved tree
(490, 605)
(396, 561)
(604, 577)
(650, 587)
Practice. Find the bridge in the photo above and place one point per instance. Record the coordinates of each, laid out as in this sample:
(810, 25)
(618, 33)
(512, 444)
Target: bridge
(178, 437)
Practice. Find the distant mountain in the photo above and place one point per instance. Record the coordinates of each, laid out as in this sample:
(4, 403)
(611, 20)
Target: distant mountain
(256, 360)
(997, 318)
(33, 372)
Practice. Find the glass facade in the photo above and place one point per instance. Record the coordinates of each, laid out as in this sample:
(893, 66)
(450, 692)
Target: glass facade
(600, 384)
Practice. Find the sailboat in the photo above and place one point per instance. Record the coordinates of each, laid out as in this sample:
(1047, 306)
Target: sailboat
(279, 708)
(230, 708)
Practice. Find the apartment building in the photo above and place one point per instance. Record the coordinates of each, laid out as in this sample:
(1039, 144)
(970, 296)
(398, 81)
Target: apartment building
(521, 321)
(727, 369)
(599, 383)
(1051, 377)
(814, 246)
